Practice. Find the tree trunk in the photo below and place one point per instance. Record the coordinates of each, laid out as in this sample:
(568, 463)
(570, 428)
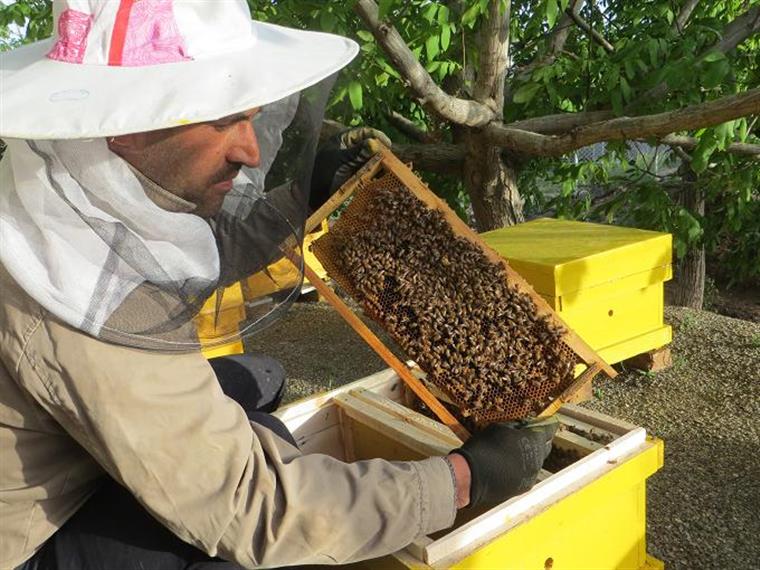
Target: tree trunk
(492, 186)
(688, 288)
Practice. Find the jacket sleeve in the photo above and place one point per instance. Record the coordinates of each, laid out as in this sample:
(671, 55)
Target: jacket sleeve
(161, 426)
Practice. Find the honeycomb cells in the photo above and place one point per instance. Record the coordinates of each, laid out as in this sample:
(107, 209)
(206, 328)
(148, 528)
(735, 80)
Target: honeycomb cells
(451, 309)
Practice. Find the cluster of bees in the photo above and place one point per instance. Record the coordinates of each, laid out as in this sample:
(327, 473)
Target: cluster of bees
(449, 307)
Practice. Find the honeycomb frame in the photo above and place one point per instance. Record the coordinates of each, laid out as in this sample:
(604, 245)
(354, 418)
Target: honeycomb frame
(521, 399)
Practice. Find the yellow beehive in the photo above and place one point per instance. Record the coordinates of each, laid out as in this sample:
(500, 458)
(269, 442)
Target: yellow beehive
(232, 310)
(588, 515)
(606, 282)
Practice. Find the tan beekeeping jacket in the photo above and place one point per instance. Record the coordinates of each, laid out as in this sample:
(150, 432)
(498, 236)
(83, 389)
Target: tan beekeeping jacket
(73, 408)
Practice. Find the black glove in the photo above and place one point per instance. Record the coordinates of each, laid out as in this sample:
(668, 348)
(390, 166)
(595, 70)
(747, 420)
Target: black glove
(505, 458)
(339, 158)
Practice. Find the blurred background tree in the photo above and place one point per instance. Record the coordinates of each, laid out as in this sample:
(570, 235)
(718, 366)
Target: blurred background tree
(638, 113)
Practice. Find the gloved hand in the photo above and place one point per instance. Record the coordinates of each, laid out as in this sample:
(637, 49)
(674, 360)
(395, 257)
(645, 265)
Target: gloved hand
(505, 458)
(339, 158)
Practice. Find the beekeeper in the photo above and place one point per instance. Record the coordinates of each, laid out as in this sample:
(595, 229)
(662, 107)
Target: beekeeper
(157, 152)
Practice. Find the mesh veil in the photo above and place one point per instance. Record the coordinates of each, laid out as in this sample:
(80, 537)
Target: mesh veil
(118, 267)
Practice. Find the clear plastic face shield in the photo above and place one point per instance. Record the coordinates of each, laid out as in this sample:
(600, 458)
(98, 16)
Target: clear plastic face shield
(80, 234)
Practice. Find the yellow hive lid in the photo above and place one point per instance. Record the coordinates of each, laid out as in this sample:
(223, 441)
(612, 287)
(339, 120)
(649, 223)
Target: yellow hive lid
(561, 256)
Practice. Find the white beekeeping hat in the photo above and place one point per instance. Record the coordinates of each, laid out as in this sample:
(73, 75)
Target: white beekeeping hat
(121, 66)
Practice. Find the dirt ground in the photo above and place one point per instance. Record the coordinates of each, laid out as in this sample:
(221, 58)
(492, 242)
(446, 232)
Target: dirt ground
(740, 303)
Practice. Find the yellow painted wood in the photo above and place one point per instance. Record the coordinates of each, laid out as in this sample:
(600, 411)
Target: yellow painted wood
(211, 325)
(308, 255)
(224, 350)
(233, 300)
(606, 282)
(637, 345)
(559, 256)
(604, 322)
(601, 526)
(282, 271)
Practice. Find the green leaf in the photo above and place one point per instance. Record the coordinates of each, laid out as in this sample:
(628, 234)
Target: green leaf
(471, 15)
(443, 15)
(653, 50)
(429, 14)
(625, 89)
(443, 71)
(433, 66)
(552, 91)
(613, 79)
(679, 76)
(526, 92)
(445, 37)
(381, 79)
(365, 35)
(552, 9)
(630, 70)
(724, 134)
(327, 20)
(680, 249)
(384, 8)
(714, 55)
(432, 47)
(617, 103)
(695, 230)
(741, 130)
(715, 72)
(355, 95)
(708, 143)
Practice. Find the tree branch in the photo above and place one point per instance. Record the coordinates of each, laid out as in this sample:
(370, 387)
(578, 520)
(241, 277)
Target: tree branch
(584, 25)
(624, 128)
(734, 33)
(557, 39)
(494, 55)
(689, 143)
(409, 128)
(459, 111)
(683, 15)
(560, 123)
(561, 31)
(683, 155)
(444, 158)
(739, 30)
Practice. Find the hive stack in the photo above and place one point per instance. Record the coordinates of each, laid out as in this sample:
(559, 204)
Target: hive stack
(478, 337)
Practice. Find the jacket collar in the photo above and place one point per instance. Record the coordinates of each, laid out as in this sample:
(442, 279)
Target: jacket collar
(161, 197)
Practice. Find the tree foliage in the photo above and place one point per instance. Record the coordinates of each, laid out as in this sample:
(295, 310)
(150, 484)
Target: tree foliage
(661, 59)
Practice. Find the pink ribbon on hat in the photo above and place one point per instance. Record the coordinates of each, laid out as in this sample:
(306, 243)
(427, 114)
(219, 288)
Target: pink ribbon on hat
(144, 33)
(73, 28)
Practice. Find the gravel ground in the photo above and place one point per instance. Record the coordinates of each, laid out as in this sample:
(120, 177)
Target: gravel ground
(703, 506)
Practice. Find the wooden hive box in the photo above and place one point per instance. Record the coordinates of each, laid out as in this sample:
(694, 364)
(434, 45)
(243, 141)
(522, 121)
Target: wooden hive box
(588, 512)
(606, 282)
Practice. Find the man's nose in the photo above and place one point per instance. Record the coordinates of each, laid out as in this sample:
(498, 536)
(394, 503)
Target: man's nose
(245, 146)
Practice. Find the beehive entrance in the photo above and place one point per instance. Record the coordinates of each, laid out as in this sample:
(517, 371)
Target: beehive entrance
(478, 336)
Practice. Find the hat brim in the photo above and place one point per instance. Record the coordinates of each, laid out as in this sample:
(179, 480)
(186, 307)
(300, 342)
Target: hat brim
(46, 99)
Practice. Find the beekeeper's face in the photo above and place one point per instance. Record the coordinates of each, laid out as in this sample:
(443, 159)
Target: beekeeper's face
(195, 162)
